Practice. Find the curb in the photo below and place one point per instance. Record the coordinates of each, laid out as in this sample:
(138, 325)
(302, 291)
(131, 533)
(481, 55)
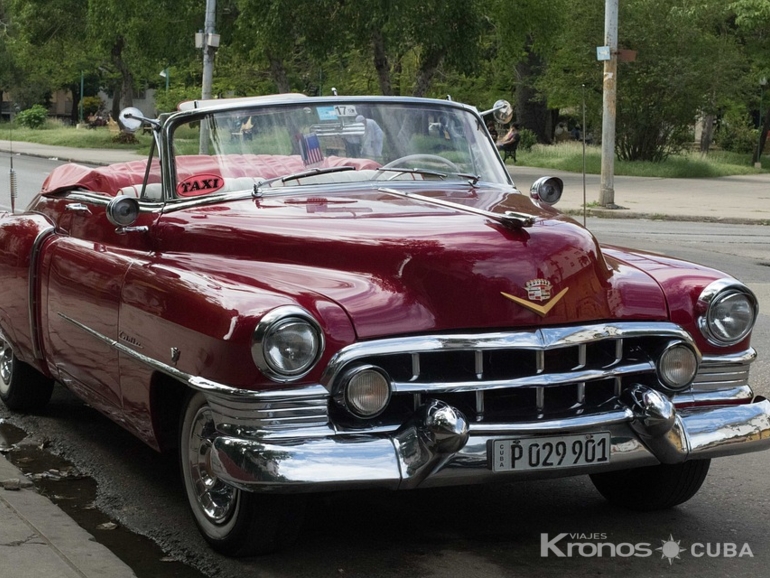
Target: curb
(625, 214)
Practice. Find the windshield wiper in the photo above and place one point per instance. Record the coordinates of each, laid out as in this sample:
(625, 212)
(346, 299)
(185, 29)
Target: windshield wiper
(412, 171)
(473, 179)
(301, 175)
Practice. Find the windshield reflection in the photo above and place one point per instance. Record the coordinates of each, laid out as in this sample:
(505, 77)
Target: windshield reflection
(305, 142)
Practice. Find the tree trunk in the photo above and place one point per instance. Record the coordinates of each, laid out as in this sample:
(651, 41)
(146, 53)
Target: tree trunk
(278, 73)
(707, 135)
(381, 64)
(125, 93)
(115, 101)
(76, 96)
(428, 66)
(762, 137)
(531, 110)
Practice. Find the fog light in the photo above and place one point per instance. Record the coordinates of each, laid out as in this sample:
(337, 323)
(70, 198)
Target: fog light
(677, 366)
(366, 391)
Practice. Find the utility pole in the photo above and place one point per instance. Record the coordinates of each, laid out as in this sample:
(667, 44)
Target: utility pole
(208, 49)
(607, 193)
(208, 40)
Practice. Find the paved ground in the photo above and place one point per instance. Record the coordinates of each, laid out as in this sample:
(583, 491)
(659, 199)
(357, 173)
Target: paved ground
(38, 540)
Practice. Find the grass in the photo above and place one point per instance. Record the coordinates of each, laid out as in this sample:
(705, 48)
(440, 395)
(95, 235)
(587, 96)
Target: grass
(569, 157)
(55, 133)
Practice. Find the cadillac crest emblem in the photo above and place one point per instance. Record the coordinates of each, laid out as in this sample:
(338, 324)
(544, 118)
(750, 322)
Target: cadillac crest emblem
(538, 289)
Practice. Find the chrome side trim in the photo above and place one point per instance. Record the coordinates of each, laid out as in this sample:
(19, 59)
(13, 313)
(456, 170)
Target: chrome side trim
(724, 372)
(33, 301)
(538, 339)
(100, 199)
(202, 384)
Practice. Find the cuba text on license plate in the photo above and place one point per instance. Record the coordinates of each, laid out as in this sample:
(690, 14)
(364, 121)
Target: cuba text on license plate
(546, 452)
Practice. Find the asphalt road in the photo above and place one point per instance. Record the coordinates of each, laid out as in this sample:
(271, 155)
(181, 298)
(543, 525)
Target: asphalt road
(489, 532)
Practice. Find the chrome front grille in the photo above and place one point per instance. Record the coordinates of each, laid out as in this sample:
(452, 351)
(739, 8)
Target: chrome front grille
(521, 375)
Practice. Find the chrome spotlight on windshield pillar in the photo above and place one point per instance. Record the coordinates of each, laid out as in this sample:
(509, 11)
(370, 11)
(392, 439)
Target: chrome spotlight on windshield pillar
(547, 190)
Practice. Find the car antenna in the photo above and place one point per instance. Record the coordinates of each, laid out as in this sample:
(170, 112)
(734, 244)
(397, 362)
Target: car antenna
(584, 154)
(14, 184)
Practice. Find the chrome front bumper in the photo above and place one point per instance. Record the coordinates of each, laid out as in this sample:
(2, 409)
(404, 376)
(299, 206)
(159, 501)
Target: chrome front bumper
(438, 447)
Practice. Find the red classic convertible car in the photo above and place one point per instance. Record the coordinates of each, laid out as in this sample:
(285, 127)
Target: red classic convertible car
(351, 293)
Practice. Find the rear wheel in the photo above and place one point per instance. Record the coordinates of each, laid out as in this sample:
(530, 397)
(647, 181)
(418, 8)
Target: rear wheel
(22, 387)
(233, 521)
(654, 487)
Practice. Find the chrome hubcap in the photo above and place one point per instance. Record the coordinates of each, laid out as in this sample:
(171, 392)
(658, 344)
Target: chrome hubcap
(6, 366)
(216, 499)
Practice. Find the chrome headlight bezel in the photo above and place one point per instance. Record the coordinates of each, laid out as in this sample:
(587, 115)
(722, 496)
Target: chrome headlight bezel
(263, 345)
(714, 295)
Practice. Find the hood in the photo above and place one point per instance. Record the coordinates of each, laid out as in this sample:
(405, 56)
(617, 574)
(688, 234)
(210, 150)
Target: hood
(400, 265)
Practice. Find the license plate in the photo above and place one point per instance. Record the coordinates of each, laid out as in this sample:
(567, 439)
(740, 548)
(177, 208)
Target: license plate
(550, 452)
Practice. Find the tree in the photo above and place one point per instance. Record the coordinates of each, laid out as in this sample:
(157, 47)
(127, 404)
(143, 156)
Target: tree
(688, 64)
(529, 33)
(753, 21)
(409, 40)
(43, 31)
(134, 45)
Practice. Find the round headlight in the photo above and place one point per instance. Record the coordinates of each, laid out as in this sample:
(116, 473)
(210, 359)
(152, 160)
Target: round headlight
(731, 311)
(677, 366)
(287, 343)
(366, 391)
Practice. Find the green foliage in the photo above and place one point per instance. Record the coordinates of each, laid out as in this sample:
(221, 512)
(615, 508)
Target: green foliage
(32, 117)
(167, 101)
(689, 61)
(528, 139)
(91, 105)
(735, 135)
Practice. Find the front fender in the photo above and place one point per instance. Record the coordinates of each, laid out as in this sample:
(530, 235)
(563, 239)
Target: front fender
(21, 241)
(202, 322)
(682, 283)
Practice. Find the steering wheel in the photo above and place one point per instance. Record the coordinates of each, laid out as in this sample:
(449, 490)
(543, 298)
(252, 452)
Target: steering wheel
(422, 157)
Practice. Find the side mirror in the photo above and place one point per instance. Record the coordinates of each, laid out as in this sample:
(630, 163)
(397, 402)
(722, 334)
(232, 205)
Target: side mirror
(502, 111)
(132, 119)
(547, 189)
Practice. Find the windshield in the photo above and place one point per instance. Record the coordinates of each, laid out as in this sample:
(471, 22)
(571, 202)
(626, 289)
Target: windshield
(310, 142)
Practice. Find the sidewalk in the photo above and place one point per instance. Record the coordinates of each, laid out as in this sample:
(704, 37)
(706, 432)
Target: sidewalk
(38, 540)
(737, 199)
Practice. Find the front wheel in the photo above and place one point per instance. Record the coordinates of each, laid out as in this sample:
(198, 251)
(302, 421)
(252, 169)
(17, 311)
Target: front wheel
(22, 387)
(653, 487)
(233, 522)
